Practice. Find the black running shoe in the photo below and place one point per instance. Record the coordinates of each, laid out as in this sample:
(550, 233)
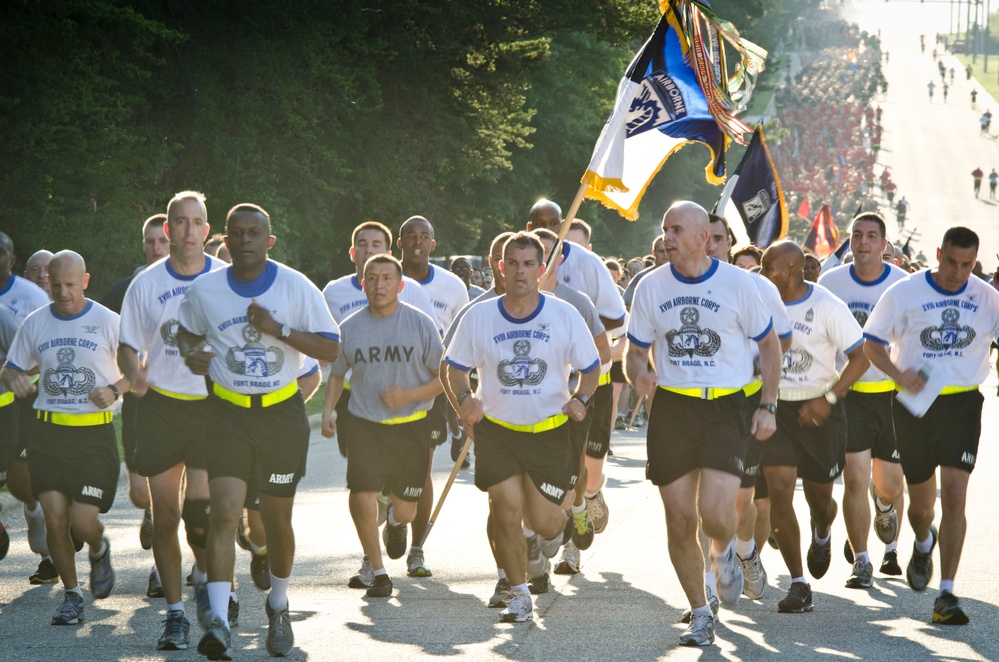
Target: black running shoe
(381, 587)
(848, 551)
(146, 530)
(798, 599)
(539, 585)
(394, 538)
(920, 568)
(260, 570)
(4, 541)
(946, 611)
(818, 556)
(242, 539)
(889, 565)
(46, 573)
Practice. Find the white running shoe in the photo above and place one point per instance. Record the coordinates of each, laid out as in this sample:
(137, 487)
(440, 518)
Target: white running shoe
(519, 609)
(728, 577)
(755, 577)
(700, 632)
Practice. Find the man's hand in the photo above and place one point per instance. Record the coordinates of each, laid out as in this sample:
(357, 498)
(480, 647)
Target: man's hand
(198, 361)
(139, 383)
(470, 412)
(645, 384)
(576, 412)
(260, 318)
(394, 397)
(329, 425)
(764, 424)
(20, 384)
(912, 381)
(102, 396)
(814, 412)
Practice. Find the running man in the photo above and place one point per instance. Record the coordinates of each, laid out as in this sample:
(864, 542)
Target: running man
(872, 461)
(261, 319)
(522, 345)
(976, 176)
(938, 324)
(73, 458)
(810, 441)
(993, 180)
(393, 353)
(702, 317)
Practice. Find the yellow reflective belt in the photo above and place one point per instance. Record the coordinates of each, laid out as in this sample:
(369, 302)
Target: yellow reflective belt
(951, 390)
(709, 393)
(75, 420)
(873, 387)
(404, 419)
(7, 398)
(542, 426)
(177, 396)
(753, 388)
(346, 385)
(604, 379)
(260, 400)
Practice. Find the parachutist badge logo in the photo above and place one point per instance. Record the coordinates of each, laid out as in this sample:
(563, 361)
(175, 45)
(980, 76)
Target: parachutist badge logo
(168, 331)
(254, 359)
(797, 361)
(949, 335)
(522, 370)
(68, 379)
(691, 339)
(861, 317)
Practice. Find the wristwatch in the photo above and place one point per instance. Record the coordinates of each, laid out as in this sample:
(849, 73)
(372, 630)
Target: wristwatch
(114, 389)
(285, 331)
(770, 407)
(585, 399)
(462, 396)
(831, 397)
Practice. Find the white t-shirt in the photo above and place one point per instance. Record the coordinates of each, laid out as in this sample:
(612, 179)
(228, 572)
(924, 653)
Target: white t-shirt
(823, 326)
(523, 364)
(491, 293)
(447, 294)
(344, 296)
(928, 326)
(860, 297)
(703, 328)
(74, 355)
(149, 320)
(249, 361)
(22, 297)
(583, 270)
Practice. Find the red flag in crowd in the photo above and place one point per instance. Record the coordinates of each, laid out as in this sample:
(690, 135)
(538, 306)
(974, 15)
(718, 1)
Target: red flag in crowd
(804, 210)
(823, 237)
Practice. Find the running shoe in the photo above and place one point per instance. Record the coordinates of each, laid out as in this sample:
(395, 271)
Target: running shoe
(520, 609)
(146, 530)
(70, 612)
(773, 541)
(568, 563)
(203, 606)
(921, 565)
(885, 521)
(535, 559)
(863, 575)
(946, 611)
(797, 600)
(260, 570)
(501, 594)
(364, 577)
(46, 573)
(818, 556)
(620, 423)
(582, 530)
(383, 506)
(599, 514)
(233, 612)
(848, 551)
(154, 589)
(700, 632)
(280, 638)
(37, 535)
(242, 539)
(381, 587)
(4, 541)
(889, 564)
(189, 580)
(728, 576)
(216, 644)
(755, 577)
(394, 538)
(539, 585)
(176, 632)
(101, 573)
(712, 602)
(415, 567)
(457, 443)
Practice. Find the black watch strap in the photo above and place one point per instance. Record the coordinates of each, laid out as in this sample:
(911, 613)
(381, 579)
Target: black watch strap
(463, 396)
(772, 408)
(114, 389)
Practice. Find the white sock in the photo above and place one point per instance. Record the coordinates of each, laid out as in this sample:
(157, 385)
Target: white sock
(177, 606)
(800, 580)
(709, 583)
(501, 572)
(76, 590)
(821, 541)
(261, 549)
(392, 521)
(278, 597)
(233, 596)
(381, 571)
(882, 506)
(218, 598)
(414, 548)
(101, 551)
(199, 576)
(946, 585)
(528, 531)
(925, 546)
(521, 588)
(703, 609)
(861, 556)
(891, 547)
(578, 509)
(745, 548)
(37, 513)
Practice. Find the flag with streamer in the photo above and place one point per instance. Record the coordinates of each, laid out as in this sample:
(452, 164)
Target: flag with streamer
(675, 91)
(823, 237)
(755, 191)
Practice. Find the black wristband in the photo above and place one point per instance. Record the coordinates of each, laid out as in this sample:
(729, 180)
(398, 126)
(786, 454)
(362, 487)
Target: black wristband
(462, 396)
(114, 389)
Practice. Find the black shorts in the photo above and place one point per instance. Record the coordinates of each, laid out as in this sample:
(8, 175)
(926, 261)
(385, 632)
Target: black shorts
(762, 491)
(170, 431)
(25, 424)
(752, 470)
(869, 425)
(387, 456)
(342, 418)
(8, 438)
(617, 373)
(598, 443)
(129, 433)
(80, 462)
(436, 422)
(686, 433)
(818, 453)
(268, 444)
(946, 436)
(545, 456)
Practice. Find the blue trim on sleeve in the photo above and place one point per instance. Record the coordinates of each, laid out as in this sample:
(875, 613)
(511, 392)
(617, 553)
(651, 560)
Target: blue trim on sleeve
(802, 299)
(868, 336)
(69, 318)
(700, 279)
(456, 365)
(855, 346)
(636, 341)
(525, 320)
(763, 335)
(249, 289)
(786, 335)
(174, 274)
(589, 368)
(929, 279)
(14, 366)
(315, 366)
(329, 335)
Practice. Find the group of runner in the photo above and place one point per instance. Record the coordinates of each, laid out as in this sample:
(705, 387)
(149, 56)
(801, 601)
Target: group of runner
(751, 380)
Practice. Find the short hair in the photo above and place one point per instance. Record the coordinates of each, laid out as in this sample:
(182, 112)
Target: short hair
(416, 219)
(960, 237)
(155, 219)
(525, 240)
(214, 241)
(545, 233)
(655, 241)
(612, 264)
(372, 225)
(649, 260)
(186, 195)
(580, 224)
(499, 241)
(872, 217)
(750, 251)
(383, 258)
(247, 208)
(715, 218)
